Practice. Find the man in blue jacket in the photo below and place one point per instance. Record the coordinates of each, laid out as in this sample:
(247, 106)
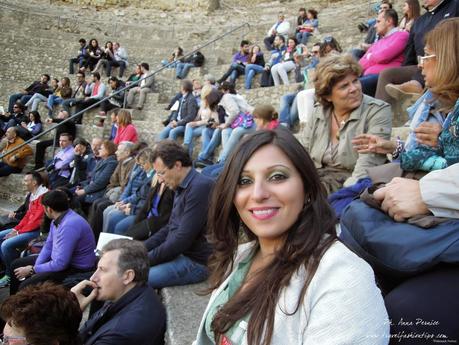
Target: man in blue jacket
(178, 252)
(132, 313)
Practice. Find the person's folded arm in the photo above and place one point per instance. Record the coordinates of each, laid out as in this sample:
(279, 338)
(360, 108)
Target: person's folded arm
(439, 191)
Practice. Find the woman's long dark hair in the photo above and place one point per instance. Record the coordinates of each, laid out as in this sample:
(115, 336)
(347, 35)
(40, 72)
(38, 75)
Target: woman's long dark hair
(307, 240)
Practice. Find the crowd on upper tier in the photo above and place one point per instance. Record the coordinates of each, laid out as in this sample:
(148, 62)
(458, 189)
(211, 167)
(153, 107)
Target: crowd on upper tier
(339, 234)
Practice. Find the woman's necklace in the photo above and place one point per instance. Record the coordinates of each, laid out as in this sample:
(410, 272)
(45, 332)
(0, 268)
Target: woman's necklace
(340, 124)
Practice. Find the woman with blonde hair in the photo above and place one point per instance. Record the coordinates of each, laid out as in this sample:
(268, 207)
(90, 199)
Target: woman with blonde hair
(126, 130)
(207, 115)
(344, 112)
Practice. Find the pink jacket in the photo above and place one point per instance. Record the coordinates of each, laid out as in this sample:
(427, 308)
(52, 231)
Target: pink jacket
(385, 53)
(128, 133)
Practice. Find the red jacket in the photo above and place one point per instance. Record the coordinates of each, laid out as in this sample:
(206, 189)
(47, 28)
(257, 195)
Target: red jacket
(33, 216)
(128, 133)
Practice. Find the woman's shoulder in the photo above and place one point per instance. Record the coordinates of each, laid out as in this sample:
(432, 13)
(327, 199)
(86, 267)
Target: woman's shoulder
(338, 265)
(343, 261)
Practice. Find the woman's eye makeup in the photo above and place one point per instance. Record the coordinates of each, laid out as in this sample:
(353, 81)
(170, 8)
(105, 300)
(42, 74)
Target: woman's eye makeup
(278, 176)
(244, 180)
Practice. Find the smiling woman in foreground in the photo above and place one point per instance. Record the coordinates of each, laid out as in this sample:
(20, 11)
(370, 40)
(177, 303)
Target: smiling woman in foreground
(294, 282)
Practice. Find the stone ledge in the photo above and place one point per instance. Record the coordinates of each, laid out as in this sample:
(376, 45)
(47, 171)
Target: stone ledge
(184, 312)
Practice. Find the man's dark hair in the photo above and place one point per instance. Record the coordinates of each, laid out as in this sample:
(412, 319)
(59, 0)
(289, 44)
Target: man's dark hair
(145, 66)
(80, 73)
(302, 9)
(392, 14)
(228, 86)
(36, 176)
(68, 135)
(47, 77)
(82, 40)
(387, 2)
(244, 42)
(282, 38)
(133, 256)
(56, 200)
(170, 152)
(96, 74)
(81, 141)
(187, 85)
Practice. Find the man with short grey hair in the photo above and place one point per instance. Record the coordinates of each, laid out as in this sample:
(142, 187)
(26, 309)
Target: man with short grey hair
(132, 313)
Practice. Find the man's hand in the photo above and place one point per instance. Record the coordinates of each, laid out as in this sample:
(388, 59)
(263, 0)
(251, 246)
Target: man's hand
(427, 133)
(80, 192)
(173, 124)
(401, 199)
(78, 292)
(23, 272)
(12, 215)
(49, 120)
(127, 209)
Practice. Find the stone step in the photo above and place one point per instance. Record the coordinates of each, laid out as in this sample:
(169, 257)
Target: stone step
(183, 322)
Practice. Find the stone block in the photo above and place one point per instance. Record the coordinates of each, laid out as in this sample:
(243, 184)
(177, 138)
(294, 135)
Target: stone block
(184, 311)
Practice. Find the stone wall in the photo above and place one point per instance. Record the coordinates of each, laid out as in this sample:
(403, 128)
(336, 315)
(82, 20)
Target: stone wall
(165, 5)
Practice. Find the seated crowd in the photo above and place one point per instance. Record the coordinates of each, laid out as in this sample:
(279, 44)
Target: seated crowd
(337, 235)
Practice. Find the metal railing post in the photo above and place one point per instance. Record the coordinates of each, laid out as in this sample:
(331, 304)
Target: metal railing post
(55, 142)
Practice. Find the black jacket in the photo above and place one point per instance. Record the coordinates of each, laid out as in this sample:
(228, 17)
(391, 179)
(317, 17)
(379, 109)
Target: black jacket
(143, 226)
(68, 127)
(425, 23)
(188, 110)
(421, 26)
(137, 318)
(197, 59)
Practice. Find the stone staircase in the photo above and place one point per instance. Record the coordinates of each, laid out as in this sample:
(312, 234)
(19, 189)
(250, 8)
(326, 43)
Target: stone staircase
(34, 42)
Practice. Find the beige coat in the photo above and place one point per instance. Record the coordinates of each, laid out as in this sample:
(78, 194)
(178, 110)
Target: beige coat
(372, 116)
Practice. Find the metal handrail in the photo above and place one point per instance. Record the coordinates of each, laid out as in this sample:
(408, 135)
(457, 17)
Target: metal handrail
(76, 115)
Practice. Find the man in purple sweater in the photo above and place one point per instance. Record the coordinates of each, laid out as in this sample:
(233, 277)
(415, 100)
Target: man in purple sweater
(238, 63)
(69, 248)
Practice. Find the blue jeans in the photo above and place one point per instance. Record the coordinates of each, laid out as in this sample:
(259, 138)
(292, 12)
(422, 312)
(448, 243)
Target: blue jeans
(230, 143)
(166, 63)
(35, 100)
(303, 37)
(182, 69)
(369, 84)
(53, 99)
(17, 97)
(213, 171)
(6, 170)
(250, 71)
(111, 217)
(190, 133)
(171, 133)
(180, 271)
(9, 247)
(208, 148)
(123, 225)
(288, 109)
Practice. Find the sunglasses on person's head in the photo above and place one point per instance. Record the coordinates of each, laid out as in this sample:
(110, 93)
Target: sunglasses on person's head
(328, 39)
